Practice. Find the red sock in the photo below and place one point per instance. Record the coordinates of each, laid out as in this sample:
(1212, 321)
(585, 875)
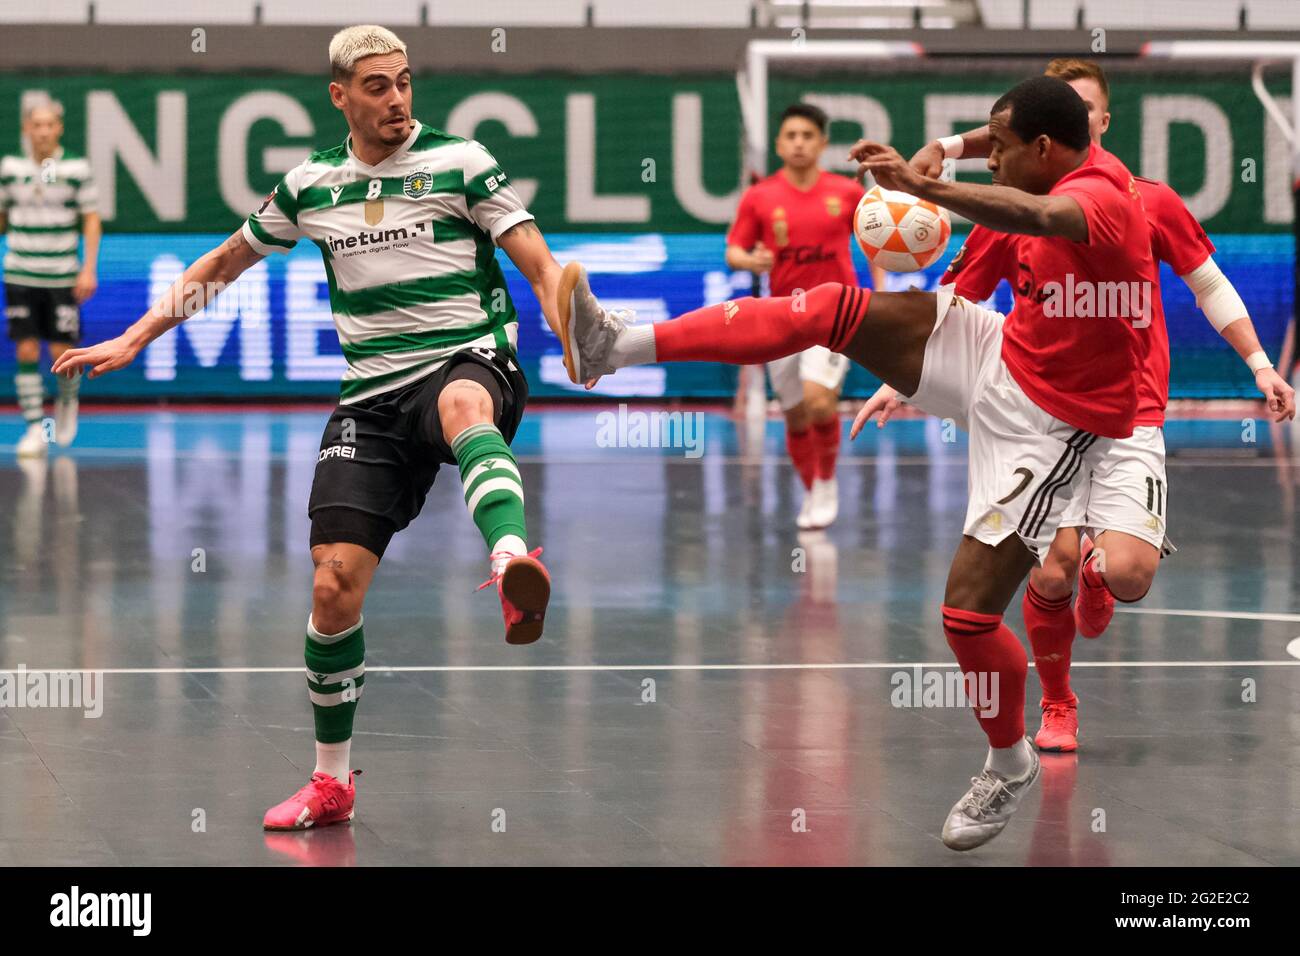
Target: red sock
(1051, 634)
(803, 452)
(827, 435)
(1092, 577)
(985, 645)
(750, 331)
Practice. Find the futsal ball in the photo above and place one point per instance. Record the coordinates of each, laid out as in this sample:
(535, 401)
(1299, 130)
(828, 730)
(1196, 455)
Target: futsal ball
(898, 232)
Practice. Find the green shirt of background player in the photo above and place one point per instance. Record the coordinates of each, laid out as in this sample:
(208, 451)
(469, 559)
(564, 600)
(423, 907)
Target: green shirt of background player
(47, 204)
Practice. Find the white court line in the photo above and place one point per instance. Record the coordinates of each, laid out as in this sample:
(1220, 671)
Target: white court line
(1227, 615)
(528, 668)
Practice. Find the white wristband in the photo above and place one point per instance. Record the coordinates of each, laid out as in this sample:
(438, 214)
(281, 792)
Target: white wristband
(952, 146)
(1258, 360)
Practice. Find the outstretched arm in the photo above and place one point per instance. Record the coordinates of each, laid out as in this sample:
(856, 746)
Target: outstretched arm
(203, 280)
(527, 249)
(1218, 299)
(928, 160)
(1000, 208)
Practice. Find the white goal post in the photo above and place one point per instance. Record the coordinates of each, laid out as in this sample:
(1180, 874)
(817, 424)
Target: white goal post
(751, 80)
(1262, 53)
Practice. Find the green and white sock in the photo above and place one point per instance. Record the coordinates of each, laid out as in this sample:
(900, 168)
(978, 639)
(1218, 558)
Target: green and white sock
(69, 387)
(494, 492)
(31, 391)
(336, 673)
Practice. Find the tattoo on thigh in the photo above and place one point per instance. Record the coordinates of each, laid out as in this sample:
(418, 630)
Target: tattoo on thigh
(332, 562)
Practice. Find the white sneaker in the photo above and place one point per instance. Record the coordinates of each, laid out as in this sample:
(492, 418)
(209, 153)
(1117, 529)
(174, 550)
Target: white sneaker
(33, 443)
(587, 330)
(65, 421)
(805, 520)
(986, 808)
(826, 501)
(821, 505)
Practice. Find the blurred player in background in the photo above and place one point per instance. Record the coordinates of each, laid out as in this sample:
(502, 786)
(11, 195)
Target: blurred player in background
(1125, 502)
(407, 218)
(47, 203)
(795, 226)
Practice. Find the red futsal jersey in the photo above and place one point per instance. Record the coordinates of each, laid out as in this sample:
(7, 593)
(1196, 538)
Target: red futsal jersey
(807, 232)
(1177, 238)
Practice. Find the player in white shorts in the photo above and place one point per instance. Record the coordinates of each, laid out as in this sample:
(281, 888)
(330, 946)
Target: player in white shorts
(1043, 399)
(965, 379)
(817, 365)
(1124, 509)
(1127, 492)
(794, 228)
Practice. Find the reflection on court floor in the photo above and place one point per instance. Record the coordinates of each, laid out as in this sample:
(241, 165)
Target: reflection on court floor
(713, 687)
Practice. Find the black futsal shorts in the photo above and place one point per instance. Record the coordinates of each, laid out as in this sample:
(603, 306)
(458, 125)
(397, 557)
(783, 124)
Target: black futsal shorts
(378, 457)
(35, 312)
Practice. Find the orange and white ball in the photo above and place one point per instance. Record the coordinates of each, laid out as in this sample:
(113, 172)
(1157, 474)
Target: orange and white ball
(898, 232)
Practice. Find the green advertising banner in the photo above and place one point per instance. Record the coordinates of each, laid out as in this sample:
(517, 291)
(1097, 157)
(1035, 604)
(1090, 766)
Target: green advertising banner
(618, 153)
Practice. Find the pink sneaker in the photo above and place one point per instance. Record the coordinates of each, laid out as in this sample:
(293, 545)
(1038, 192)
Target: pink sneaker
(323, 801)
(1095, 605)
(525, 590)
(1060, 729)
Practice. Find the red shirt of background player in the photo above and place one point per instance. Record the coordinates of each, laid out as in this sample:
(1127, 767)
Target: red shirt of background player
(1177, 238)
(806, 232)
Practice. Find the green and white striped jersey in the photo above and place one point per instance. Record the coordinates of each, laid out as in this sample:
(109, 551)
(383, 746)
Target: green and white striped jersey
(44, 203)
(409, 248)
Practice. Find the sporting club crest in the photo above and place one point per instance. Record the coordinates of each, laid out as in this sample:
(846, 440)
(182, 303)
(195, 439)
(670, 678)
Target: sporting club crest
(418, 184)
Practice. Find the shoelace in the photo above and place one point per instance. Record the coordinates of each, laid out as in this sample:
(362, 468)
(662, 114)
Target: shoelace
(626, 316)
(496, 575)
(1057, 710)
(986, 791)
(342, 783)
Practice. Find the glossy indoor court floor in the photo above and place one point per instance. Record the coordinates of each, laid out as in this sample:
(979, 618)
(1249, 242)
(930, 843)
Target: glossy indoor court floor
(772, 669)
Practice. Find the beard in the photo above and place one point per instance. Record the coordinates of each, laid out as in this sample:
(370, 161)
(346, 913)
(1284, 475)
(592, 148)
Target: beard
(390, 132)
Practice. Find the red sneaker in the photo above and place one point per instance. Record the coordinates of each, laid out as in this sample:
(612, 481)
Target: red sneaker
(323, 801)
(1060, 729)
(525, 590)
(1095, 605)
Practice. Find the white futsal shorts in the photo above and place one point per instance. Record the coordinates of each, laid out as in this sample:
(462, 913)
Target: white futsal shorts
(1126, 491)
(817, 364)
(1025, 465)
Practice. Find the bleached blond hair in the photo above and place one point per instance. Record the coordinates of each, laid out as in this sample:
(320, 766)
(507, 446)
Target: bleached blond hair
(352, 43)
(43, 103)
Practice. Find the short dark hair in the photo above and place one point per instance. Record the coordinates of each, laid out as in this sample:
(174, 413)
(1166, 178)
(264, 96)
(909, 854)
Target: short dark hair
(1044, 105)
(807, 111)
